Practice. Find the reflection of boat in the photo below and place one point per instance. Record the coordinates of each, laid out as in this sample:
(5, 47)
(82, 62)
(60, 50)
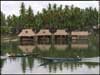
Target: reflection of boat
(58, 60)
(3, 57)
(61, 59)
(24, 55)
(45, 63)
(18, 55)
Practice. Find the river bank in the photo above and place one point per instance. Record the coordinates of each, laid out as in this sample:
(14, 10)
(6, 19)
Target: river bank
(9, 38)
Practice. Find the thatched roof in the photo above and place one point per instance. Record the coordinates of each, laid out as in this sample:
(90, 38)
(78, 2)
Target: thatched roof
(26, 32)
(43, 32)
(79, 45)
(61, 47)
(81, 33)
(26, 48)
(44, 47)
(61, 32)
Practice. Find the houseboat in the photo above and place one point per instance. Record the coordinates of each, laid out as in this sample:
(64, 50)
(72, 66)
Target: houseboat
(44, 36)
(61, 37)
(27, 36)
(79, 35)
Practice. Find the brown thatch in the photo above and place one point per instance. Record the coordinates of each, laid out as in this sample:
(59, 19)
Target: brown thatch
(80, 33)
(43, 32)
(26, 32)
(44, 47)
(26, 48)
(61, 32)
(79, 46)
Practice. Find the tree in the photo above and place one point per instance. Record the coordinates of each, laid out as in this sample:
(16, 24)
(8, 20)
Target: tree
(22, 16)
(30, 18)
(3, 26)
(53, 17)
(91, 16)
(3, 20)
(38, 21)
(22, 10)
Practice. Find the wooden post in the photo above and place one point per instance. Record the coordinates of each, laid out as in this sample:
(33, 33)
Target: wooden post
(52, 39)
(35, 40)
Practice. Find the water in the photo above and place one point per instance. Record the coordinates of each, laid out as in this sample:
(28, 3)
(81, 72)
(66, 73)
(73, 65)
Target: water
(89, 52)
(33, 66)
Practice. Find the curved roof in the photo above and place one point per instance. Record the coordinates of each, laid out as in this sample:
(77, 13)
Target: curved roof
(61, 32)
(43, 32)
(83, 33)
(26, 32)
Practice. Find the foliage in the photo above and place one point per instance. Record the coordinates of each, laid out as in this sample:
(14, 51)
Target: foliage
(52, 17)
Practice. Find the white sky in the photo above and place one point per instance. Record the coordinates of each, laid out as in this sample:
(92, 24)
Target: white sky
(13, 7)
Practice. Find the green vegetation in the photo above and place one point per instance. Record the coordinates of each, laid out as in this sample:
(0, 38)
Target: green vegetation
(70, 18)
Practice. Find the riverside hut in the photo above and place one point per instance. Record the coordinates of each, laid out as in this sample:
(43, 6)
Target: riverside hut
(27, 36)
(43, 36)
(61, 37)
(79, 35)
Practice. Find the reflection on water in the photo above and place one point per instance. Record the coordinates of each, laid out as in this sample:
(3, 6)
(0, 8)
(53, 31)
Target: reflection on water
(34, 64)
(43, 47)
(79, 46)
(26, 48)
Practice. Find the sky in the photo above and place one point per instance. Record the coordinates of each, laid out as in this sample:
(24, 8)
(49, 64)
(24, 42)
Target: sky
(13, 7)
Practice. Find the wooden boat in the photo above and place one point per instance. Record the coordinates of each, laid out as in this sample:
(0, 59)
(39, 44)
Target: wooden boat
(3, 57)
(61, 59)
(18, 55)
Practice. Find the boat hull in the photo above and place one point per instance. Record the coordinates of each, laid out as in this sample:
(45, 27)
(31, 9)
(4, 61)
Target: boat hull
(61, 59)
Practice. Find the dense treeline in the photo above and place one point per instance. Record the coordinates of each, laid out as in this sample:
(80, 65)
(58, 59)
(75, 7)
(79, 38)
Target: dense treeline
(70, 18)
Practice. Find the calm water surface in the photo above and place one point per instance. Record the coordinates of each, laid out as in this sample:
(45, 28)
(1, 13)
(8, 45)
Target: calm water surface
(89, 52)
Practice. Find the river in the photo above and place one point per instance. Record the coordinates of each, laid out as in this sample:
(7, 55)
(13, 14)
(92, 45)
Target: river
(88, 52)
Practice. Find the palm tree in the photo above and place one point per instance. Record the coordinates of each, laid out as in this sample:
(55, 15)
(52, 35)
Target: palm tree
(30, 17)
